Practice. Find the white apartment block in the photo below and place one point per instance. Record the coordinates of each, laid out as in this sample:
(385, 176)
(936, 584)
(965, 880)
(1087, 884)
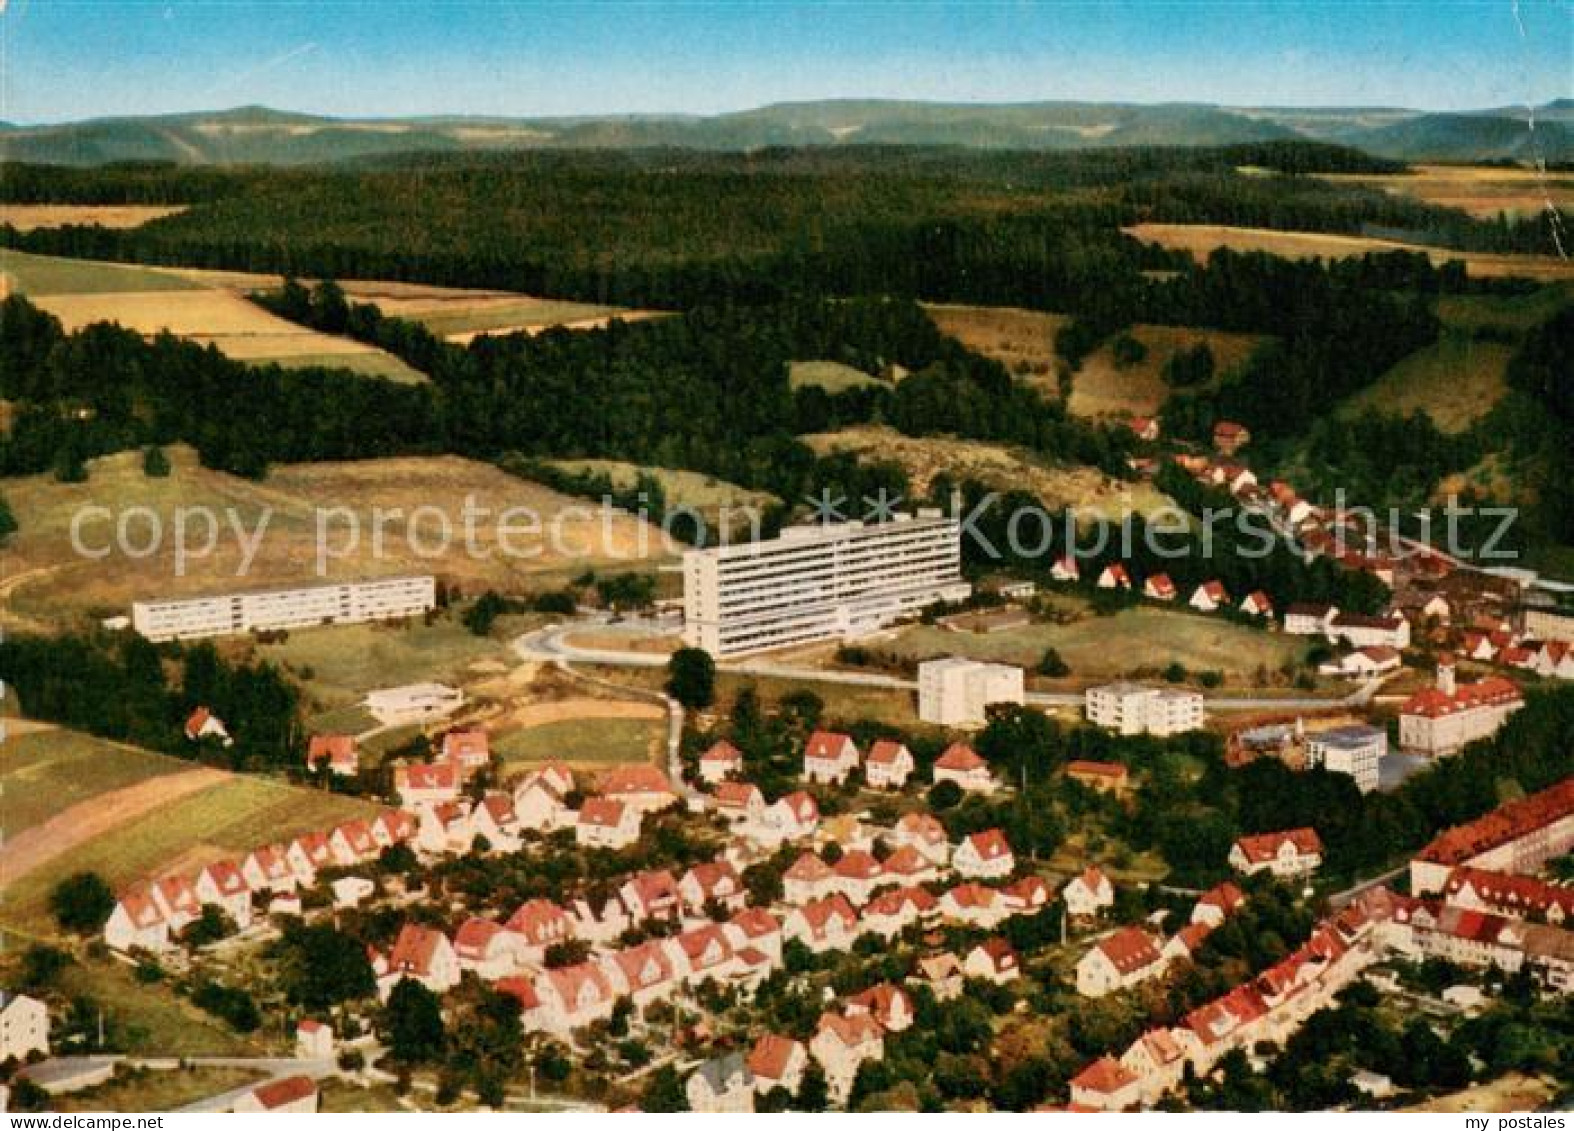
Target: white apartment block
(1355, 750)
(814, 583)
(350, 602)
(1134, 708)
(954, 691)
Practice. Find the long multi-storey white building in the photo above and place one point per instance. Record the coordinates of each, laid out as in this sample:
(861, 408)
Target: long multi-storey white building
(349, 602)
(818, 583)
(1134, 708)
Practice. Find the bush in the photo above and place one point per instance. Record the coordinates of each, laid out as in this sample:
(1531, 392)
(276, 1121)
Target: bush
(82, 902)
(155, 464)
(944, 795)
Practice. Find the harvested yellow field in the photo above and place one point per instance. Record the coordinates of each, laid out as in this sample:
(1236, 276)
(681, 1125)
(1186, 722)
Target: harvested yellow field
(995, 465)
(150, 301)
(1481, 190)
(49, 582)
(1200, 239)
(30, 217)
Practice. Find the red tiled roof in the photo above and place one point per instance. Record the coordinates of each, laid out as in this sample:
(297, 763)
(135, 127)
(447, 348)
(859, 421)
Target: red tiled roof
(278, 1093)
(1262, 847)
(961, 757)
(428, 775)
(857, 865)
(1522, 894)
(1129, 950)
(1434, 703)
(414, 949)
(602, 812)
(644, 965)
(1226, 897)
(923, 826)
(826, 745)
(466, 746)
(771, 1055)
(808, 868)
(885, 753)
(637, 777)
(1505, 823)
(1106, 1075)
(755, 923)
(474, 937)
(338, 749)
(521, 990)
(736, 794)
(906, 861)
(804, 808)
(722, 752)
(990, 844)
(540, 921)
(1086, 769)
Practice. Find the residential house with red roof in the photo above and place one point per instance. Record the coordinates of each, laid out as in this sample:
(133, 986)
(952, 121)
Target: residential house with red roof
(925, 833)
(1516, 897)
(1088, 893)
(1105, 1085)
(739, 801)
(888, 1004)
(701, 953)
(1518, 836)
(1119, 961)
(572, 997)
(203, 723)
(1287, 853)
(266, 869)
(961, 764)
(823, 924)
(722, 761)
(1114, 576)
(713, 881)
(755, 928)
(645, 972)
(222, 884)
(888, 765)
(985, 855)
(975, 905)
(470, 750)
(638, 784)
(445, 829)
(993, 960)
(494, 818)
(1102, 777)
(1257, 604)
(423, 784)
(778, 1062)
(1065, 568)
(337, 751)
(287, 1095)
(841, 1043)
(857, 875)
(792, 817)
(352, 843)
(1159, 587)
(421, 954)
(490, 949)
(1217, 904)
(809, 877)
(892, 912)
(1209, 597)
(137, 922)
(540, 805)
(652, 894)
(829, 758)
(540, 923)
(605, 822)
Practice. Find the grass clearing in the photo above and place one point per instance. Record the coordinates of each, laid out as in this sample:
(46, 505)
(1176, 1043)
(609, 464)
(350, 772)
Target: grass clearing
(1106, 647)
(993, 464)
(347, 661)
(704, 493)
(832, 376)
(1201, 239)
(151, 1089)
(378, 364)
(31, 217)
(1455, 381)
(582, 742)
(341, 1096)
(1021, 340)
(1103, 388)
(48, 582)
(1512, 312)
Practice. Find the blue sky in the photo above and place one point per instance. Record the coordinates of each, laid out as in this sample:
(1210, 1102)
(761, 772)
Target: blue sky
(69, 59)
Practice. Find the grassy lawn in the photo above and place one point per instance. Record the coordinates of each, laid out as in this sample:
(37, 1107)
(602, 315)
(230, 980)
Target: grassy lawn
(344, 662)
(342, 720)
(1517, 312)
(704, 493)
(1106, 647)
(158, 1090)
(46, 771)
(50, 275)
(151, 1019)
(581, 742)
(232, 817)
(1455, 380)
(832, 376)
(1103, 388)
(520, 313)
(339, 1096)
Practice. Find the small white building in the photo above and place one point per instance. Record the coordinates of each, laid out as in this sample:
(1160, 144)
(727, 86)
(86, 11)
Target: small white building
(24, 1027)
(954, 691)
(1356, 750)
(1135, 708)
(313, 1040)
(1293, 852)
(414, 703)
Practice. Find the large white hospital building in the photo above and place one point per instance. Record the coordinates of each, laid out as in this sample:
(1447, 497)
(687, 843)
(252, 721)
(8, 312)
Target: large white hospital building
(349, 602)
(814, 583)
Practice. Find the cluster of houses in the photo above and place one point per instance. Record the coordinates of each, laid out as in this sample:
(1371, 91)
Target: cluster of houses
(1130, 956)
(1208, 597)
(151, 915)
(1473, 903)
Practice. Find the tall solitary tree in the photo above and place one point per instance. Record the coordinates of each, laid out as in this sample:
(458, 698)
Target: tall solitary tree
(691, 677)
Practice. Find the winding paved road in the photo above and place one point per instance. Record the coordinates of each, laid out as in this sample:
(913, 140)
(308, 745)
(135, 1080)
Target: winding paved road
(550, 645)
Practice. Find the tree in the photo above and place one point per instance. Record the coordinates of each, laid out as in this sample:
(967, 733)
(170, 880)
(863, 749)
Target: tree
(814, 1094)
(41, 967)
(944, 795)
(1128, 351)
(412, 1023)
(691, 677)
(8, 525)
(155, 464)
(322, 967)
(82, 902)
(1051, 665)
(209, 927)
(664, 1091)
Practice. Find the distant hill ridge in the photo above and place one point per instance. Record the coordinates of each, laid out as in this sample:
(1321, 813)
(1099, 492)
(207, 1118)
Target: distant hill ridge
(259, 134)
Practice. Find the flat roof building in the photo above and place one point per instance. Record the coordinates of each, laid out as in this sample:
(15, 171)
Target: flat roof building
(954, 691)
(1356, 750)
(817, 583)
(350, 602)
(1135, 708)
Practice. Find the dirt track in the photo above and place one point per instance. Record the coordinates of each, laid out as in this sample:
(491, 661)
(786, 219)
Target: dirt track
(539, 714)
(94, 817)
